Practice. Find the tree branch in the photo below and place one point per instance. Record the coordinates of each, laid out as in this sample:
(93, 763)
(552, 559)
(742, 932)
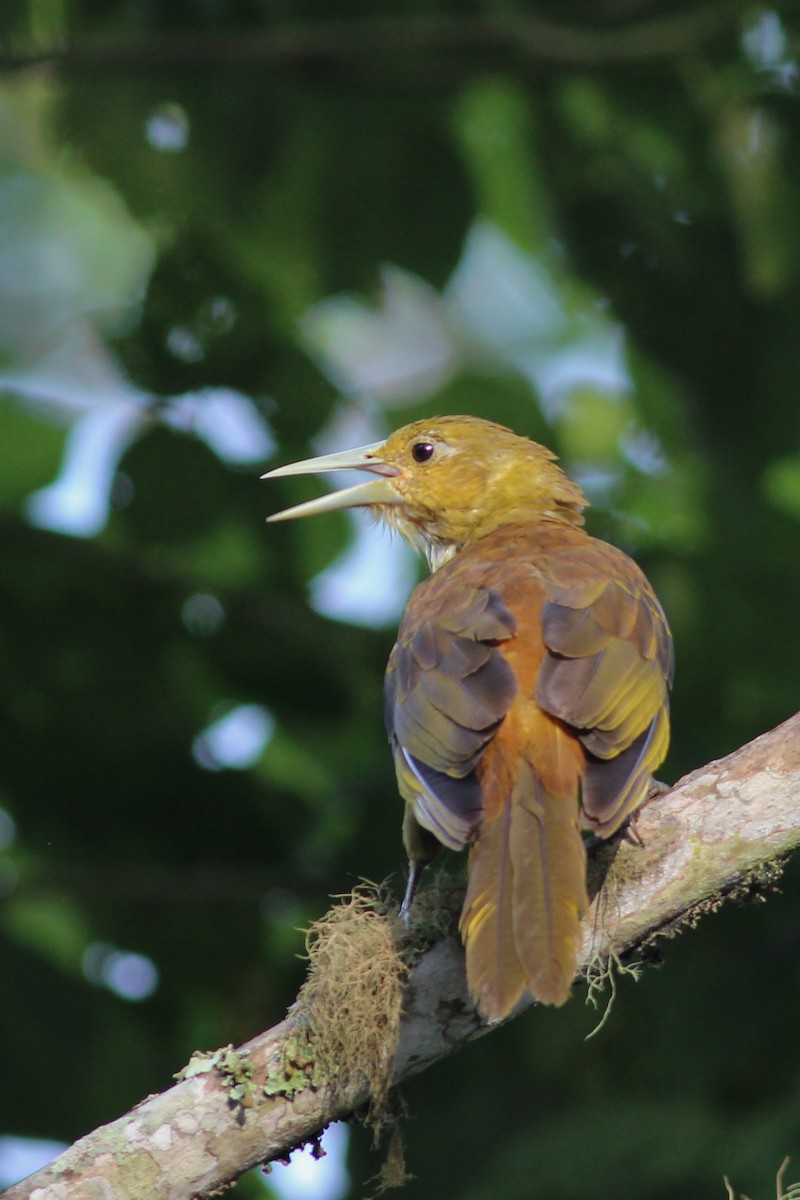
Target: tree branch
(724, 828)
(529, 38)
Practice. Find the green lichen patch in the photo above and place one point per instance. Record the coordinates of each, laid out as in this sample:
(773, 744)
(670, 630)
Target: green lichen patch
(201, 1063)
(235, 1072)
(298, 1069)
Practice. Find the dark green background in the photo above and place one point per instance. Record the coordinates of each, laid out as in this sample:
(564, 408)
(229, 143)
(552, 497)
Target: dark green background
(648, 159)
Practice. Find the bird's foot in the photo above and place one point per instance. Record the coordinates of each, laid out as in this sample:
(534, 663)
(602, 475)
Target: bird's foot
(631, 834)
(415, 870)
(631, 831)
(657, 788)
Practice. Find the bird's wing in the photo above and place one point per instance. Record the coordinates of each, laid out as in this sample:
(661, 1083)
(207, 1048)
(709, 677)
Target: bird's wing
(447, 689)
(607, 674)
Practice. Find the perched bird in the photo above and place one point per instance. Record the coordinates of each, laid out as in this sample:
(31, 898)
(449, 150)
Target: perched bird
(526, 697)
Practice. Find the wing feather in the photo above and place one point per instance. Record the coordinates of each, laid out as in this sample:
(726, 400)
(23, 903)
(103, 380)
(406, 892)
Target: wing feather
(447, 689)
(606, 674)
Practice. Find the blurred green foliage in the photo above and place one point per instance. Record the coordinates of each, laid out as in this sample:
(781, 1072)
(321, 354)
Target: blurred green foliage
(578, 220)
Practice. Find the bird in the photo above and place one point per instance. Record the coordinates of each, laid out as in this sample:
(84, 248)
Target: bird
(526, 698)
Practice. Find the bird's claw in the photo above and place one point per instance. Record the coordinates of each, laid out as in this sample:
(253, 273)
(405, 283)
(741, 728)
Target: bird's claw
(415, 870)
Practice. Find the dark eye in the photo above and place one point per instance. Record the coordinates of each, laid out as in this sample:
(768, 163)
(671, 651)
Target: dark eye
(422, 451)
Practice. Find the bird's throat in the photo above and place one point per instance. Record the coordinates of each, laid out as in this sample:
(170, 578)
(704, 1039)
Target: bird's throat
(436, 553)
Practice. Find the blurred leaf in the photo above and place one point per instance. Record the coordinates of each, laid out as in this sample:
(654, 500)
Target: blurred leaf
(180, 490)
(495, 128)
(592, 424)
(668, 509)
(781, 484)
(295, 768)
(229, 555)
(32, 452)
(53, 926)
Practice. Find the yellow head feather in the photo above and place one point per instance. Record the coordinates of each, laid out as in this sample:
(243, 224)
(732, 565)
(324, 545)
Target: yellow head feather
(460, 477)
(445, 482)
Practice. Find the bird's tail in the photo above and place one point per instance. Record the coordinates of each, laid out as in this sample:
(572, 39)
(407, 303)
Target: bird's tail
(526, 895)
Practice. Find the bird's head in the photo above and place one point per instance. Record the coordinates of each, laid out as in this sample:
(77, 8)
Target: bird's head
(445, 482)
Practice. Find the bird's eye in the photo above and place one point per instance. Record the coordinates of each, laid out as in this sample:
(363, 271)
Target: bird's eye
(422, 451)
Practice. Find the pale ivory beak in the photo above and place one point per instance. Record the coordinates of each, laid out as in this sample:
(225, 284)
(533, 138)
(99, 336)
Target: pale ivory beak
(365, 458)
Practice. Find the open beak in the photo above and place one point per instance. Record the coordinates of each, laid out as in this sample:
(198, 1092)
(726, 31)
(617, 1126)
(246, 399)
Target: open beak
(365, 458)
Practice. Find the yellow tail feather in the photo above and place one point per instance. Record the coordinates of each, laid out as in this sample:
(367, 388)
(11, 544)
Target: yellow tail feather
(526, 895)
